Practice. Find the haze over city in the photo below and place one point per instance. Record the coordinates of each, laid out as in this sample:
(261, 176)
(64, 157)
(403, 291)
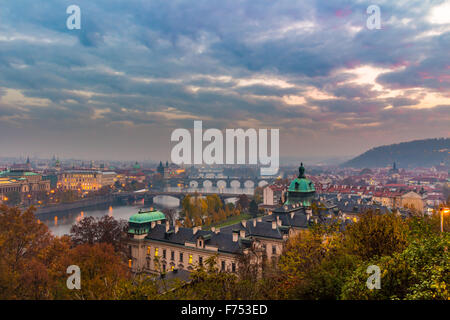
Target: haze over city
(116, 88)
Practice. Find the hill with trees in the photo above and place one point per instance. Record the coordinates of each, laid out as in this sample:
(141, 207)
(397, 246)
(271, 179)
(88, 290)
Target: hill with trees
(417, 153)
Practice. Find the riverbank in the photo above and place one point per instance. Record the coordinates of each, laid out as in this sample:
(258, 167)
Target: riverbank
(230, 221)
(84, 203)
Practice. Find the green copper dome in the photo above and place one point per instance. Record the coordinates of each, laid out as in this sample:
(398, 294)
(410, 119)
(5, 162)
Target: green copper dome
(301, 184)
(147, 216)
(301, 190)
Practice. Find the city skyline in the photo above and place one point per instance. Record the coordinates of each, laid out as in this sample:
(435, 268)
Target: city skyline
(119, 86)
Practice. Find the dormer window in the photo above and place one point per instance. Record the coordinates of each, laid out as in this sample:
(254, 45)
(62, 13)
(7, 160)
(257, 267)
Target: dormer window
(200, 243)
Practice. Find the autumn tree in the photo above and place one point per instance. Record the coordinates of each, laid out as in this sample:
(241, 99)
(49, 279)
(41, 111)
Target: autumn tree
(106, 229)
(243, 202)
(22, 239)
(376, 235)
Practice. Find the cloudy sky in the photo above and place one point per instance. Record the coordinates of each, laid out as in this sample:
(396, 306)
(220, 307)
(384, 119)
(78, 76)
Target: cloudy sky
(138, 69)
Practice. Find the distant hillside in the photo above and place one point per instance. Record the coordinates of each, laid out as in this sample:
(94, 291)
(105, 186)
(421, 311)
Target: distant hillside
(417, 153)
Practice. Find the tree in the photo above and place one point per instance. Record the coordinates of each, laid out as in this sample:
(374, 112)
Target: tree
(170, 214)
(253, 208)
(259, 195)
(376, 235)
(243, 202)
(106, 229)
(421, 271)
(22, 239)
(102, 271)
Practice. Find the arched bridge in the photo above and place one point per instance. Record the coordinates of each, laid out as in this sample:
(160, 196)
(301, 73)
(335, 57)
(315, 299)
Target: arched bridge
(220, 182)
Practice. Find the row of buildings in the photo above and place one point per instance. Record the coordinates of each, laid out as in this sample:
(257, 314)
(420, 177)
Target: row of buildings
(27, 184)
(156, 246)
(393, 196)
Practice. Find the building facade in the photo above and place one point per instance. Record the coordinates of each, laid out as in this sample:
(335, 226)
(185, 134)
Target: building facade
(24, 182)
(85, 180)
(155, 246)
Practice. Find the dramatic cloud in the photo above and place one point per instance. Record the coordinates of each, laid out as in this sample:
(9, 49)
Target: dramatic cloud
(138, 69)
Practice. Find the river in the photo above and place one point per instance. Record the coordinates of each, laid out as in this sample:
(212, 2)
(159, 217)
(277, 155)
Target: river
(60, 223)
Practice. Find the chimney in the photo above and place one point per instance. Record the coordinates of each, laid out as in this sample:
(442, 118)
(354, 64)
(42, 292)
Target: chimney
(194, 230)
(274, 224)
(254, 223)
(242, 233)
(153, 224)
(278, 222)
(213, 229)
(167, 226)
(235, 236)
(259, 219)
(217, 230)
(177, 228)
(199, 227)
(292, 214)
(308, 214)
(158, 222)
(244, 223)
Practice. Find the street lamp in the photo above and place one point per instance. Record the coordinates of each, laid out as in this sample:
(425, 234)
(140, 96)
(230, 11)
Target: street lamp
(443, 210)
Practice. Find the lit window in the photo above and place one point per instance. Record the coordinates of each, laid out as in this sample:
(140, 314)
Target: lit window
(148, 250)
(190, 258)
(156, 252)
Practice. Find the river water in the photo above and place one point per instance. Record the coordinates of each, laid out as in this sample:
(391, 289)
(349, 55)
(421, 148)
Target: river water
(60, 223)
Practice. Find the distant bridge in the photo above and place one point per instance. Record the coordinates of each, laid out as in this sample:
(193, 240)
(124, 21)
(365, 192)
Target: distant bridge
(220, 182)
(180, 195)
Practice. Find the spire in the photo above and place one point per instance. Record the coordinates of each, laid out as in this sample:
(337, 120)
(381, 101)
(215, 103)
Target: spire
(301, 171)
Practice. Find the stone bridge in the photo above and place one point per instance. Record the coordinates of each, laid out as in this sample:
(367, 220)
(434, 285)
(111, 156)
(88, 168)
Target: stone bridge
(180, 195)
(220, 182)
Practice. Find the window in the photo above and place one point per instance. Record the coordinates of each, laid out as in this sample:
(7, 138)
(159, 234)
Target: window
(148, 250)
(164, 253)
(172, 268)
(156, 252)
(172, 255)
(274, 249)
(233, 267)
(200, 261)
(223, 266)
(181, 256)
(163, 267)
(190, 258)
